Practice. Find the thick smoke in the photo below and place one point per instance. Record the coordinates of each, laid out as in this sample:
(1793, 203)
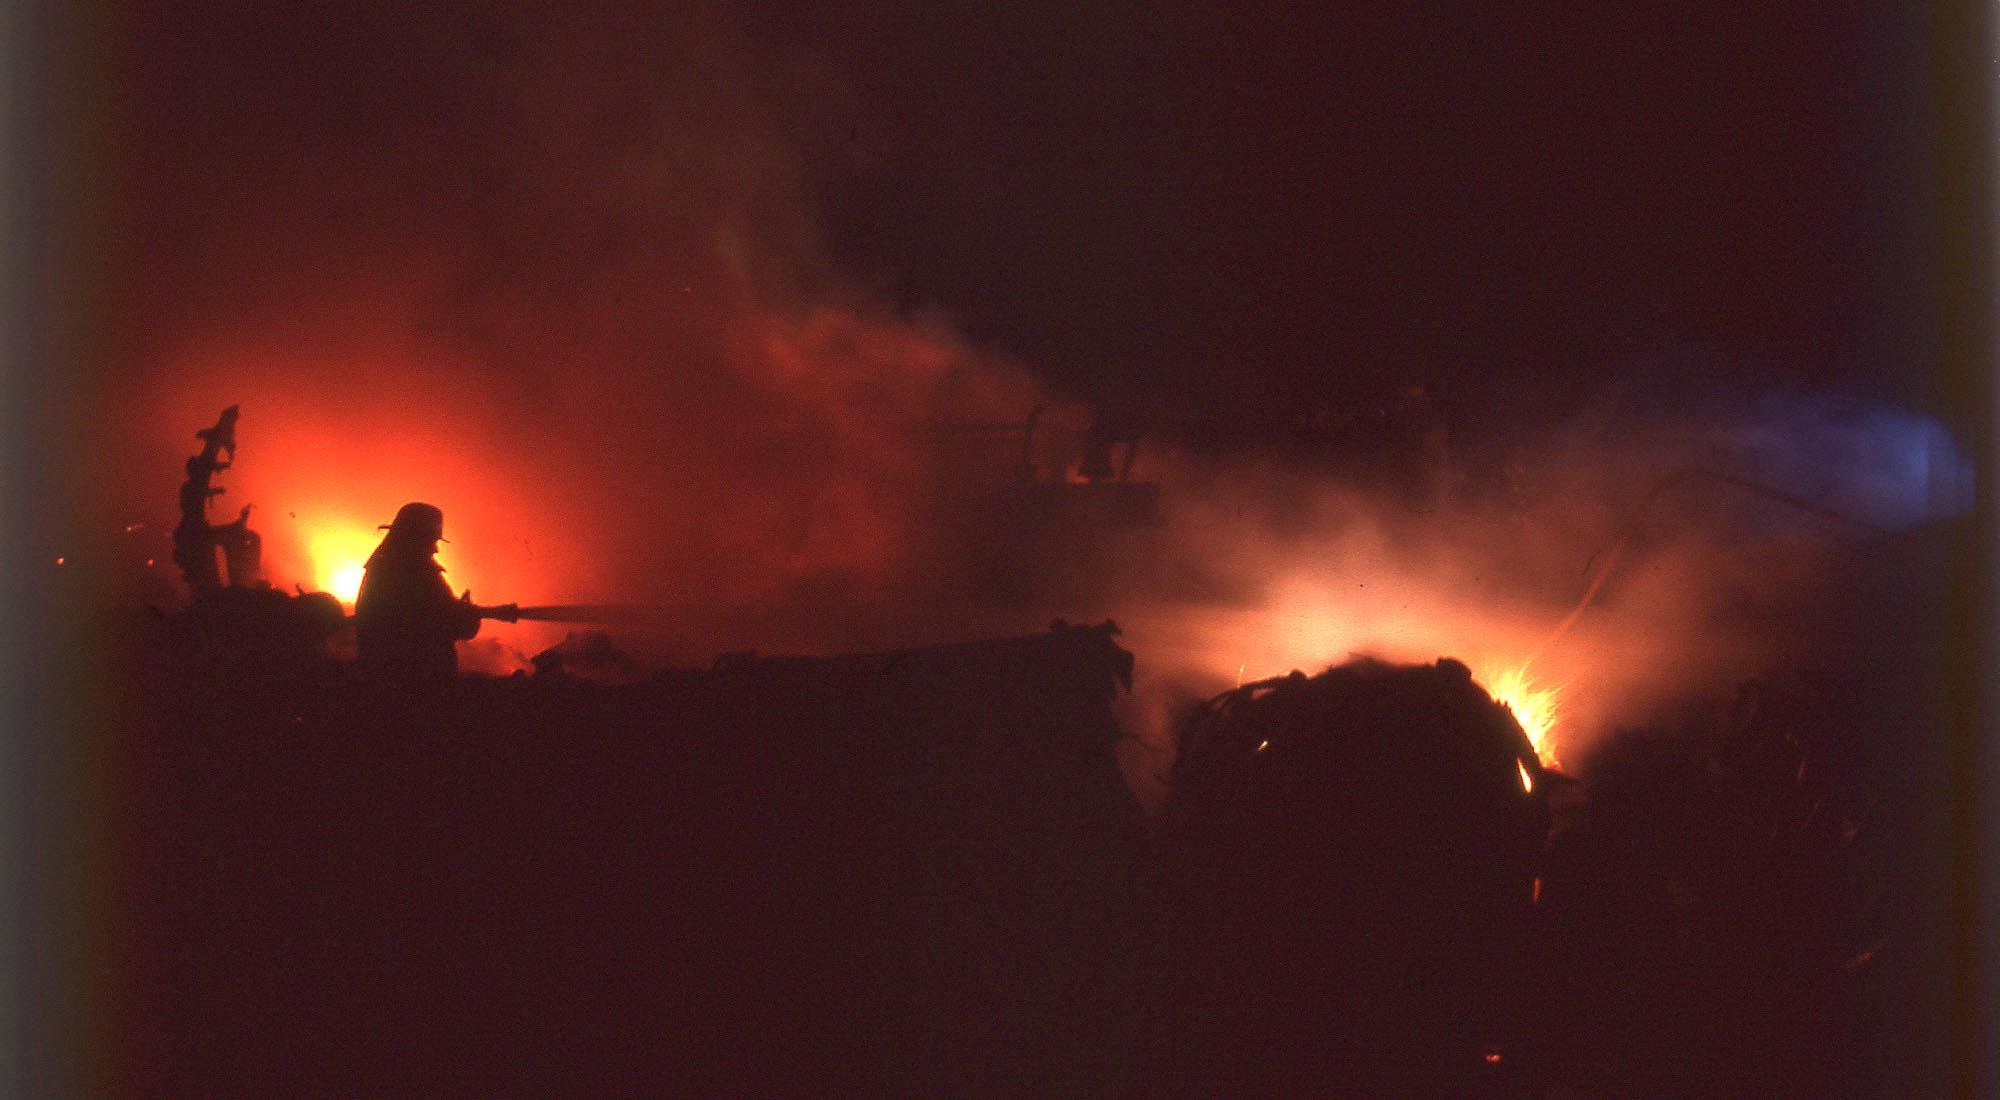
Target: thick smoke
(572, 292)
(562, 276)
(1631, 559)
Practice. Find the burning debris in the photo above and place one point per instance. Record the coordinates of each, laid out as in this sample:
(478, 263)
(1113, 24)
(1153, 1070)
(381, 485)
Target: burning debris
(1534, 707)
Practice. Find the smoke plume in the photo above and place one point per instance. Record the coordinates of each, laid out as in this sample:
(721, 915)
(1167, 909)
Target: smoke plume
(563, 277)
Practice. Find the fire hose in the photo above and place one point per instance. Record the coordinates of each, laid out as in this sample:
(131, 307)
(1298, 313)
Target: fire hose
(612, 614)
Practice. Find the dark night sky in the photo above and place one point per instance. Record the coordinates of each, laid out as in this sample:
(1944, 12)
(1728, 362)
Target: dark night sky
(1310, 196)
(1236, 210)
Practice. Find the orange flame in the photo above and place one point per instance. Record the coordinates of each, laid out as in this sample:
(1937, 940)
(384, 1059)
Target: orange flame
(1535, 707)
(335, 552)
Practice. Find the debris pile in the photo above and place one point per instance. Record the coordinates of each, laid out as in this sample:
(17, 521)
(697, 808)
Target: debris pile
(1736, 908)
(1348, 867)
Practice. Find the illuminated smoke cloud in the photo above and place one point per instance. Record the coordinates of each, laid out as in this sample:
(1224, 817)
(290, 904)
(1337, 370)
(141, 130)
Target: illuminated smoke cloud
(1718, 543)
(584, 309)
(566, 282)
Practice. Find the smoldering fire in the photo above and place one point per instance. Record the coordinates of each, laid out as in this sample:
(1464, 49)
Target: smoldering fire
(1254, 568)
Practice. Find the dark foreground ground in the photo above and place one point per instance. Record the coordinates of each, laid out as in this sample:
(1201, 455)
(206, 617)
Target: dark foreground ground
(909, 875)
(920, 875)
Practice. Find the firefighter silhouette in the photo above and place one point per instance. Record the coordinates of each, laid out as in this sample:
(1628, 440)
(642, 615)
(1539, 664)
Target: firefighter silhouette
(406, 621)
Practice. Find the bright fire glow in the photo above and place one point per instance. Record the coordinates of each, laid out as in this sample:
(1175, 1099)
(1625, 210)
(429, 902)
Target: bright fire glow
(1304, 625)
(345, 582)
(325, 471)
(1534, 707)
(337, 551)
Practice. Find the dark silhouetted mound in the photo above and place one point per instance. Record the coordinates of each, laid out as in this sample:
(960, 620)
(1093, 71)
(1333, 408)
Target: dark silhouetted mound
(1348, 871)
(910, 874)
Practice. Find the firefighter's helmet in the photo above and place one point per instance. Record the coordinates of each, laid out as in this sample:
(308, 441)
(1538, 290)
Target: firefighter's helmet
(417, 519)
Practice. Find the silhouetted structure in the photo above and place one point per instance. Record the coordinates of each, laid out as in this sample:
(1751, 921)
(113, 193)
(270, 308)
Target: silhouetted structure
(406, 621)
(1348, 866)
(196, 541)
